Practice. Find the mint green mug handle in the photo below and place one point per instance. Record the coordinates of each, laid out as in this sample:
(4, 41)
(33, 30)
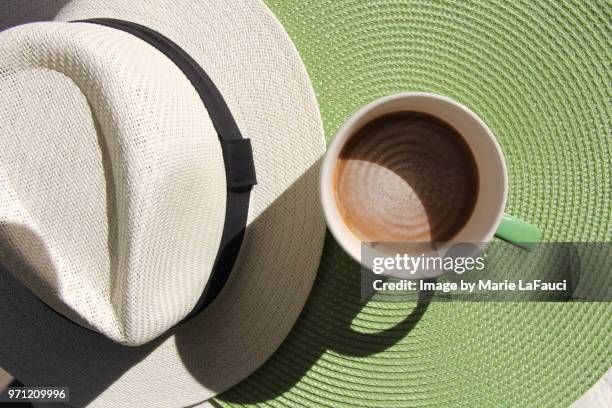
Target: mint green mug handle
(517, 232)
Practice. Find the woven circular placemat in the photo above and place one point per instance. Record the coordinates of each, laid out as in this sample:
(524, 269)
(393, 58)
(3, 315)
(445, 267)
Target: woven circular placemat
(539, 74)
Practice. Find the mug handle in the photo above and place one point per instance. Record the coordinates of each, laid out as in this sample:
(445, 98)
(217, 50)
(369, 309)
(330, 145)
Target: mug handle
(518, 232)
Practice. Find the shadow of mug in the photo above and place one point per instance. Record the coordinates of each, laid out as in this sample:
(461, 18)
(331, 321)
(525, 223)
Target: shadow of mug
(326, 325)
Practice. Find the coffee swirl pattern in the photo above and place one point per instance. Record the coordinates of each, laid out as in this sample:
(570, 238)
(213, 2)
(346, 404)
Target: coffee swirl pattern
(406, 177)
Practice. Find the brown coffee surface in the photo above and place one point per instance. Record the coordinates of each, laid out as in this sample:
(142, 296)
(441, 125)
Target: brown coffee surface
(406, 177)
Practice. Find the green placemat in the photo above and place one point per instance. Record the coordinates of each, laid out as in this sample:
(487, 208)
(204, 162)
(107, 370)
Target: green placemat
(539, 74)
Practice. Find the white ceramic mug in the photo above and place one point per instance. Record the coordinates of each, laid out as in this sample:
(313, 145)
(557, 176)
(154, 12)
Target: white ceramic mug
(488, 214)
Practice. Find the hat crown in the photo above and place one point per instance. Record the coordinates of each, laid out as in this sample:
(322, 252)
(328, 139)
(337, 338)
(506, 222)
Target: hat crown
(121, 212)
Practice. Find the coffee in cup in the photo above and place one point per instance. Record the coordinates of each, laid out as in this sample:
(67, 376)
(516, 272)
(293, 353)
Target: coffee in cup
(406, 176)
(417, 168)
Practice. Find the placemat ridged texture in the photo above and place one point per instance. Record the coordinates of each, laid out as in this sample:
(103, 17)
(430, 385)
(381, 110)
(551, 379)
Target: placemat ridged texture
(539, 74)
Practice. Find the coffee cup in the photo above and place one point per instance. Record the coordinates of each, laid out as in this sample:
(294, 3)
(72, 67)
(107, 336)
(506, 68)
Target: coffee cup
(417, 167)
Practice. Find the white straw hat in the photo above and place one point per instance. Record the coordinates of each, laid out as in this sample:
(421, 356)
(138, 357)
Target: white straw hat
(159, 222)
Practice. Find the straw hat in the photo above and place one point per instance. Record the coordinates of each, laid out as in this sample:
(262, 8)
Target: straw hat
(159, 224)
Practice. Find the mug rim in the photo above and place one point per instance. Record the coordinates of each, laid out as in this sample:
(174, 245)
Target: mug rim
(327, 172)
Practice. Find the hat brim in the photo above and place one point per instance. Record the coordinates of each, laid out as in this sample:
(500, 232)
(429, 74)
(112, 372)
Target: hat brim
(251, 59)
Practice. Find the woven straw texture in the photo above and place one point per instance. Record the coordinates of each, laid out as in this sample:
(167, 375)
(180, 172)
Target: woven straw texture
(253, 62)
(140, 270)
(538, 73)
